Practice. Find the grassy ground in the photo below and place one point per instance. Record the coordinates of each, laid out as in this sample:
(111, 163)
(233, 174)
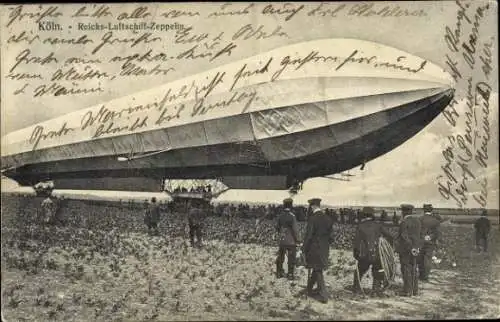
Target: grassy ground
(105, 274)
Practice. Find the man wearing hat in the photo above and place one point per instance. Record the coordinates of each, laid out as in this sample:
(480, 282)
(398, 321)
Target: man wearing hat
(366, 250)
(288, 239)
(482, 227)
(409, 244)
(316, 248)
(430, 223)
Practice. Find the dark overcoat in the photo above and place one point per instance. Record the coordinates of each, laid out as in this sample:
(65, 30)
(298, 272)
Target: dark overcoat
(409, 235)
(482, 226)
(366, 240)
(152, 214)
(287, 228)
(316, 245)
(430, 225)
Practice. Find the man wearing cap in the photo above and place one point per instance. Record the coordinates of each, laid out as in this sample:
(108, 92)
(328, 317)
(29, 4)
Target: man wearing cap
(152, 217)
(316, 248)
(430, 223)
(482, 227)
(288, 239)
(366, 250)
(196, 218)
(409, 244)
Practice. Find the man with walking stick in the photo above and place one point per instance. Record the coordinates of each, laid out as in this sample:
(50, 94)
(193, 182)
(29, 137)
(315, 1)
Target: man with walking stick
(366, 250)
(410, 242)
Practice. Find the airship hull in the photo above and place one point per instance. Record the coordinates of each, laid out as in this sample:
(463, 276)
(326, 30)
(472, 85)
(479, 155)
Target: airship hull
(298, 156)
(316, 112)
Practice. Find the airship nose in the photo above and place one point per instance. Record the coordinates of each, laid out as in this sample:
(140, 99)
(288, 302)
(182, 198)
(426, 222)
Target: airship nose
(450, 93)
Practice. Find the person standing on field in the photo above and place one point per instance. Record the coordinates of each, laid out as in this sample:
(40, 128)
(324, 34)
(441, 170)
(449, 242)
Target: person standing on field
(482, 227)
(152, 217)
(316, 249)
(409, 244)
(366, 251)
(431, 233)
(196, 219)
(288, 239)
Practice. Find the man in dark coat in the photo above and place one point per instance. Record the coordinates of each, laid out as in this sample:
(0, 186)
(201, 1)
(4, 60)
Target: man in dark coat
(409, 244)
(430, 230)
(288, 239)
(152, 216)
(366, 250)
(316, 248)
(196, 219)
(482, 227)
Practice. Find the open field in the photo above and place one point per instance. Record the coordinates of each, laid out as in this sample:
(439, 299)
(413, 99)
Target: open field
(102, 266)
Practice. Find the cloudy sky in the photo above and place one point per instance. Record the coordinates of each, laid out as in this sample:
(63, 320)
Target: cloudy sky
(407, 174)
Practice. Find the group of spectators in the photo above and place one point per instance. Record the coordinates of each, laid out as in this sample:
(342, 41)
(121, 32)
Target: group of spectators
(199, 189)
(343, 215)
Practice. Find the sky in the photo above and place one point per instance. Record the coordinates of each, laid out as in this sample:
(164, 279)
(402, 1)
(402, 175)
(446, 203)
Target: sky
(406, 174)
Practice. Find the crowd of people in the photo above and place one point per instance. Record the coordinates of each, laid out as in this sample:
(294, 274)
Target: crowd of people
(416, 239)
(199, 189)
(343, 215)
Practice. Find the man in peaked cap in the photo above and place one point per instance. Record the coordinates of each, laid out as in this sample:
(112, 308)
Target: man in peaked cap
(366, 250)
(316, 248)
(409, 244)
(288, 239)
(430, 231)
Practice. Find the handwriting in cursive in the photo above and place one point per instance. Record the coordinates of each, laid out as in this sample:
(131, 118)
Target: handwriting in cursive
(40, 134)
(248, 31)
(243, 72)
(24, 58)
(354, 58)
(227, 9)
(56, 89)
(201, 107)
(18, 14)
(108, 39)
(469, 145)
(96, 12)
(288, 10)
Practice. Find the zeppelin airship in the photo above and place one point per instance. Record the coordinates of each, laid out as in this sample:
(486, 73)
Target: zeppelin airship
(296, 112)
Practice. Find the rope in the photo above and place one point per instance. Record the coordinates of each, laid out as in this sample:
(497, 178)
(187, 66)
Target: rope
(387, 259)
